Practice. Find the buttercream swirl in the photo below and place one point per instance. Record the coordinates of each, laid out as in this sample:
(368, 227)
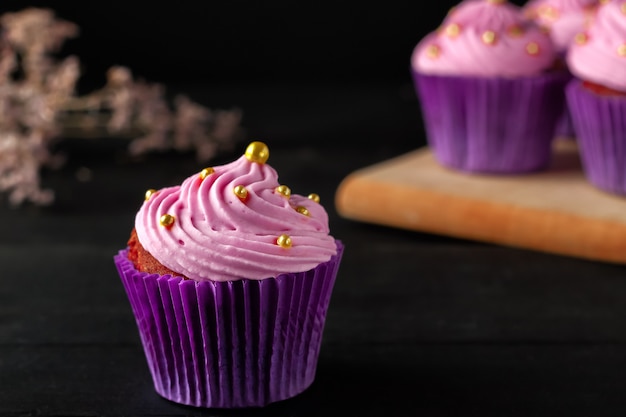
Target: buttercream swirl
(563, 18)
(217, 235)
(485, 38)
(600, 54)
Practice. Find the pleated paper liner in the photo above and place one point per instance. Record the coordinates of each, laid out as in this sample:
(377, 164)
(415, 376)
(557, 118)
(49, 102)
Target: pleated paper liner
(233, 344)
(491, 125)
(600, 123)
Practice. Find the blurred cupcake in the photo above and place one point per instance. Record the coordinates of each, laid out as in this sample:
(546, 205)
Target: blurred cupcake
(488, 88)
(229, 277)
(597, 96)
(563, 20)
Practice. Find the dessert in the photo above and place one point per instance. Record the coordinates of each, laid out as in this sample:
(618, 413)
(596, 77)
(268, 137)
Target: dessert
(597, 96)
(488, 88)
(229, 276)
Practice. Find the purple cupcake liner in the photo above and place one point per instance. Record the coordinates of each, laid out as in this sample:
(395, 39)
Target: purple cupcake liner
(491, 125)
(233, 344)
(600, 123)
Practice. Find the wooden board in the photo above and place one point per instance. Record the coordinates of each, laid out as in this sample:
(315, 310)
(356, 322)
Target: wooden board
(556, 211)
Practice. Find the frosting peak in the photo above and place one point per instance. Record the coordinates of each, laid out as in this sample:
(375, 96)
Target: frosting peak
(485, 38)
(599, 55)
(563, 18)
(234, 221)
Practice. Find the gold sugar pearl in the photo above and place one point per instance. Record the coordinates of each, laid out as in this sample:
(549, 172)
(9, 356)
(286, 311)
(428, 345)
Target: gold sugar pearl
(489, 37)
(433, 52)
(303, 210)
(241, 192)
(257, 152)
(581, 38)
(314, 197)
(149, 193)
(167, 220)
(284, 241)
(206, 172)
(283, 190)
(532, 48)
(621, 50)
(453, 30)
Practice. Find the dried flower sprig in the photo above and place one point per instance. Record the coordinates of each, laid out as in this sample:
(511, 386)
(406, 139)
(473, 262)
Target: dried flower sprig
(39, 105)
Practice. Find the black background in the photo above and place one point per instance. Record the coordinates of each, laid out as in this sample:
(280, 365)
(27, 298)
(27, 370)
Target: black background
(244, 41)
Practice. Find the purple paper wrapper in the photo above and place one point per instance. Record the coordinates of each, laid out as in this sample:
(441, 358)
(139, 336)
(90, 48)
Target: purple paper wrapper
(232, 344)
(491, 125)
(600, 123)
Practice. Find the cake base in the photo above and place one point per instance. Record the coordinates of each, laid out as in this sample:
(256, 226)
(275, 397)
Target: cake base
(556, 211)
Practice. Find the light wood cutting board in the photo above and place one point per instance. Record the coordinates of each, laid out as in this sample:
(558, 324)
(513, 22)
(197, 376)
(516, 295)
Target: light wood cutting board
(555, 211)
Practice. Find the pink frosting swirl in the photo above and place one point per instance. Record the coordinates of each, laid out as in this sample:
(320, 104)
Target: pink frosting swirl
(219, 236)
(485, 38)
(563, 18)
(599, 55)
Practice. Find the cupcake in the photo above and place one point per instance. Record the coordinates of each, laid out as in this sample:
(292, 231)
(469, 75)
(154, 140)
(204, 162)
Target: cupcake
(488, 88)
(229, 277)
(597, 96)
(563, 20)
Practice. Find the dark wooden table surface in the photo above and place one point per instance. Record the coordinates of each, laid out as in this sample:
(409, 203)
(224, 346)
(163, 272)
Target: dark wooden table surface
(419, 325)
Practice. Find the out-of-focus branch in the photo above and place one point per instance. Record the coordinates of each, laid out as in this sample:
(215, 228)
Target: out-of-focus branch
(38, 105)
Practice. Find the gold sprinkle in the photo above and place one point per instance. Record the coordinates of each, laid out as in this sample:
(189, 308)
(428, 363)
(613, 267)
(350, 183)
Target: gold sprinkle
(284, 190)
(453, 30)
(621, 50)
(433, 51)
(206, 172)
(581, 38)
(515, 31)
(532, 48)
(314, 197)
(496, 1)
(489, 37)
(303, 210)
(623, 8)
(149, 193)
(241, 192)
(284, 241)
(167, 220)
(257, 152)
